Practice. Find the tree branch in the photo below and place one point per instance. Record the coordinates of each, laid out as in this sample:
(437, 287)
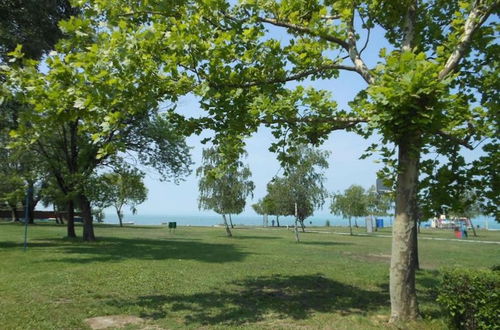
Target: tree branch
(359, 64)
(330, 17)
(297, 76)
(478, 15)
(454, 139)
(304, 29)
(409, 27)
(340, 122)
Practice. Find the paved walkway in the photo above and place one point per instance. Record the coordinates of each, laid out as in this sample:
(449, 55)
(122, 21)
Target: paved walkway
(420, 238)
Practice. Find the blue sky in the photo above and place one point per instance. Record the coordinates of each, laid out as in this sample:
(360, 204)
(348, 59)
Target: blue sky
(345, 167)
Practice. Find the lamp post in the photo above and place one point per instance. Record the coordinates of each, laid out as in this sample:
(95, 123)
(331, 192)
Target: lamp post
(29, 192)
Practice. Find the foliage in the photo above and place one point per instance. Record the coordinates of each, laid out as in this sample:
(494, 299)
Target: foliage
(123, 187)
(302, 184)
(90, 105)
(378, 204)
(471, 298)
(32, 24)
(223, 189)
(435, 88)
(352, 203)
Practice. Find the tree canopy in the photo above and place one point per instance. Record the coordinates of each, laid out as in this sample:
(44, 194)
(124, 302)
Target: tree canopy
(435, 87)
(32, 24)
(223, 189)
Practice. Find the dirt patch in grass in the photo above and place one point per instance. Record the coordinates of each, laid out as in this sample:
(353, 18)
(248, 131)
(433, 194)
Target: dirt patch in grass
(112, 321)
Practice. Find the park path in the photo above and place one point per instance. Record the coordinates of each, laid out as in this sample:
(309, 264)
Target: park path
(420, 238)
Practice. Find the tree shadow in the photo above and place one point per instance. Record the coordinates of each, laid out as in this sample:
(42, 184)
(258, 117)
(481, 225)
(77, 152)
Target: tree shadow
(112, 249)
(428, 282)
(250, 300)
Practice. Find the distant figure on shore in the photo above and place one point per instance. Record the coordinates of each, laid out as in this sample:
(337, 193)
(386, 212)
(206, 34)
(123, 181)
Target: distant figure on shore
(272, 223)
(464, 231)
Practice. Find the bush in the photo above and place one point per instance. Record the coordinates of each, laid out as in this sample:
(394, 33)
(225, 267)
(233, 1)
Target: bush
(327, 223)
(471, 298)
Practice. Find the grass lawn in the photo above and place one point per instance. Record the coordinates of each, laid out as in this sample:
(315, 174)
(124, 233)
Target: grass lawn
(199, 278)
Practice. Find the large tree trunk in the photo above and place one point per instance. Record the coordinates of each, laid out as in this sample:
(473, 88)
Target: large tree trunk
(228, 231)
(404, 305)
(71, 219)
(231, 221)
(88, 226)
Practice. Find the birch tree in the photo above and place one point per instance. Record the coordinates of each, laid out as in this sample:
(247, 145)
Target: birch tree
(223, 189)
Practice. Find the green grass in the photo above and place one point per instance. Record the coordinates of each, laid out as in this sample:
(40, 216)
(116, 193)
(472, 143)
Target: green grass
(199, 278)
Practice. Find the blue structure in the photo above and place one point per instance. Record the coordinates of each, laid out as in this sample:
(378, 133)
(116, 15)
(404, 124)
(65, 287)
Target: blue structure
(379, 223)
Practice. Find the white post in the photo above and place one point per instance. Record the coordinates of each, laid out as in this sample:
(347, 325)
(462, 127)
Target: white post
(296, 219)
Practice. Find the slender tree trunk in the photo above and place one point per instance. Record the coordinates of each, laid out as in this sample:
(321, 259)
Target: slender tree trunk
(350, 226)
(120, 216)
(71, 219)
(296, 230)
(296, 219)
(473, 229)
(356, 222)
(231, 221)
(302, 225)
(404, 305)
(13, 212)
(228, 231)
(277, 221)
(57, 214)
(88, 225)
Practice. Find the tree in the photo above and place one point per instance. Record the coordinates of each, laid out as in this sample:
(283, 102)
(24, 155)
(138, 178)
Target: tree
(433, 89)
(378, 204)
(120, 188)
(32, 24)
(223, 189)
(352, 203)
(105, 110)
(301, 190)
(420, 97)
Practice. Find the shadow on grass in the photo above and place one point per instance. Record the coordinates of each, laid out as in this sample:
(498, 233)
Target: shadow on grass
(112, 249)
(252, 299)
(428, 282)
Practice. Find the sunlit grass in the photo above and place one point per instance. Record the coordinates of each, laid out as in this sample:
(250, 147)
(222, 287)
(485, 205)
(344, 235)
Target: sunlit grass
(197, 277)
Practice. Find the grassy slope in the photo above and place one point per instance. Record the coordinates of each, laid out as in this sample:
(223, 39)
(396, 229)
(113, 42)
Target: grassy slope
(198, 277)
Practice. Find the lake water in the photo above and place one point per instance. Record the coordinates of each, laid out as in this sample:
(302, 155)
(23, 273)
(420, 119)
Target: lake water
(249, 220)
